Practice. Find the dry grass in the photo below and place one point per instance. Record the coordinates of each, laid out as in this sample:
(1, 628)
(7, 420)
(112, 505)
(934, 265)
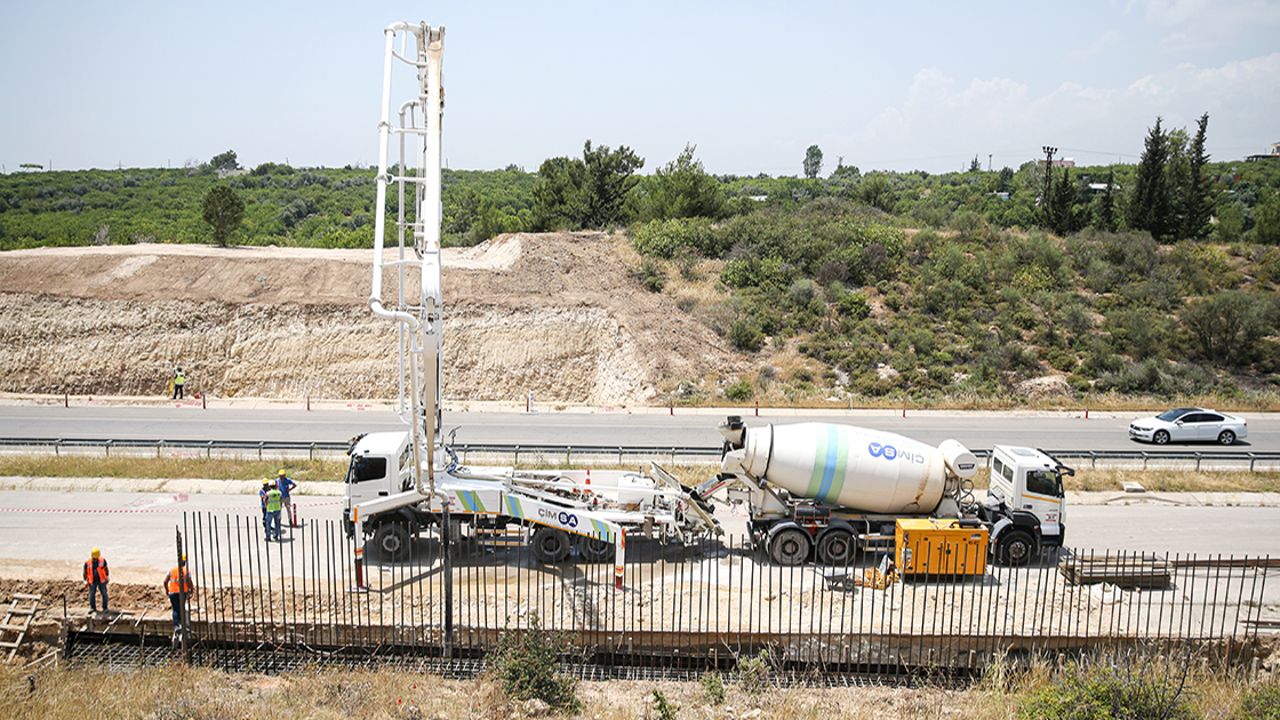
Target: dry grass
(181, 692)
(168, 468)
(1154, 480)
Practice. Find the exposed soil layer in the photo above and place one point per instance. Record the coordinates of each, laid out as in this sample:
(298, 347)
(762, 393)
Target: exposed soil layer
(559, 315)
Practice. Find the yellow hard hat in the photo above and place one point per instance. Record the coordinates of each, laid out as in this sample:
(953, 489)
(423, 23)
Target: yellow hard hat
(184, 557)
(95, 552)
(281, 473)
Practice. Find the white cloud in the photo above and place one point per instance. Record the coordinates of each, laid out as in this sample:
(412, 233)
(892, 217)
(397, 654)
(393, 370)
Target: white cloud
(1199, 23)
(943, 120)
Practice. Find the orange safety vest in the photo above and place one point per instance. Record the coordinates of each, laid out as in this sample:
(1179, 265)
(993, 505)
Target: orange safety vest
(179, 581)
(95, 571)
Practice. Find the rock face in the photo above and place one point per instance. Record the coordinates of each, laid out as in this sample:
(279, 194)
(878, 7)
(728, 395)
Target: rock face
(556, 314)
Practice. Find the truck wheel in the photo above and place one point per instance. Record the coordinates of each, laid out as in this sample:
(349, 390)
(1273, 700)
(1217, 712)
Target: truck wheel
(392, 539)
(550, 545)
(789, 547)
(835, 547)
(596, 550)
(1015, 548)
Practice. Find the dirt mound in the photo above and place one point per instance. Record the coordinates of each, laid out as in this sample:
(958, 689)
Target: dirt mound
(556, 314)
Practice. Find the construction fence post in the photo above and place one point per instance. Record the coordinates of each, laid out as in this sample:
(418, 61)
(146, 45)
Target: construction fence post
(448, 579)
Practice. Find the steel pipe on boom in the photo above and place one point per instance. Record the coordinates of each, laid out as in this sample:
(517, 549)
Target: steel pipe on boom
(419, 325)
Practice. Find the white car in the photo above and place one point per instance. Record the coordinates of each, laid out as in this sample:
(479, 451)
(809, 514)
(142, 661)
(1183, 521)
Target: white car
(1189, 425)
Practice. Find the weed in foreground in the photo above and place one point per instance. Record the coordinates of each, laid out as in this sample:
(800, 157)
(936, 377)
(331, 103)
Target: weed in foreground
(1260, 702)
(526, 666)
(1123, 689)
(713, 685)
(755, 674)
(663, 707)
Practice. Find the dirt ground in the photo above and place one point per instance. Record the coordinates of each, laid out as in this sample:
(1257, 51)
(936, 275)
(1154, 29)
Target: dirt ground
(557, 314)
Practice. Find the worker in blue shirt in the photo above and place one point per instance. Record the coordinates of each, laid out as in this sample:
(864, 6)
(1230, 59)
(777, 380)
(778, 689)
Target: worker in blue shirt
(262, 500)
(285, 485)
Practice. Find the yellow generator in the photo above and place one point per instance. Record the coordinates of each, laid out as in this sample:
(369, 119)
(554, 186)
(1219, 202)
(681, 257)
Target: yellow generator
(940, 548)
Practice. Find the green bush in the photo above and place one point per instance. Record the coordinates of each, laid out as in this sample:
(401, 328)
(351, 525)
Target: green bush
(651, 275)
(739, 391)
(746, 335)
(755, 674)
(1260, 702)
(526, 665)
(1100, 692)
(663, 707)
(713, 686)
(666, 238)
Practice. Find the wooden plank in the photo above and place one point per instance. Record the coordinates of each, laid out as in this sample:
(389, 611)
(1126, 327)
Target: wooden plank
(13, 628)
(27, 596)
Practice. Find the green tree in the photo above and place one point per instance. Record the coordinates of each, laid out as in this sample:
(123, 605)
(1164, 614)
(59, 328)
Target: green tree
(681, 188)
(974, 165)
(812, 162)
(1004, 181)
(1266, 220)
(1196, 201)
(586, 193)
(610, 175)
(1230, 227)
(1105, 216)
(223, 210)
(559, 196)
(225, 161)
(1062, 203)
(874, 190)
(1151, 206)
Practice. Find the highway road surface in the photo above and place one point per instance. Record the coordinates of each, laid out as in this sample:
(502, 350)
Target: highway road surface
(48, 534)
(1061, 431)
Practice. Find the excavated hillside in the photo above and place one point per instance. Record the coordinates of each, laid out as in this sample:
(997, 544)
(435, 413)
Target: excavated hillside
(557, 314)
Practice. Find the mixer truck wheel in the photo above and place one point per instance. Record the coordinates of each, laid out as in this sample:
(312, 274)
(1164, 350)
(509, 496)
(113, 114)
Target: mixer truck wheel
(789, 547)
(1015, 548)
(550, 545)
(835, 547)
(596, 550)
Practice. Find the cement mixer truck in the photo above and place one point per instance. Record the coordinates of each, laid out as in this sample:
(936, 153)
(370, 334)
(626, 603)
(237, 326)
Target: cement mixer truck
(826, 490)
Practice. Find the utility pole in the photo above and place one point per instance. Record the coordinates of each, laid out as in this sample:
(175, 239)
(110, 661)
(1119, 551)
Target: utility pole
(1048, 178)
(988, 162)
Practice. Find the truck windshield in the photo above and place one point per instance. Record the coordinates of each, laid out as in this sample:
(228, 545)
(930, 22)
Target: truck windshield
(366, 468)
(1043, 482)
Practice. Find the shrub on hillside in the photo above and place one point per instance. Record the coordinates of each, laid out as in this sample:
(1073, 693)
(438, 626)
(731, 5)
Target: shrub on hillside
(746, 335)
(666, 238)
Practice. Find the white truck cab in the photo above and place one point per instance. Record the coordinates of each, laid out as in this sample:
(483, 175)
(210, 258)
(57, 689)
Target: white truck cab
(1025, 502)
(380, 466)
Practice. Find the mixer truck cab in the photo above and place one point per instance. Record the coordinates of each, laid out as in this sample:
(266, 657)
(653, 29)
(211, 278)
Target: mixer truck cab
(1025, 503)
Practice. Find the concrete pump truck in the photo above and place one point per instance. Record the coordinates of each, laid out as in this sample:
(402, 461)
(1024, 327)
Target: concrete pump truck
(398, 483)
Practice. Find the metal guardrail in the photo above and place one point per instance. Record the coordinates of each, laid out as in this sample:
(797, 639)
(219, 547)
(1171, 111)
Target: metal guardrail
(265, 448)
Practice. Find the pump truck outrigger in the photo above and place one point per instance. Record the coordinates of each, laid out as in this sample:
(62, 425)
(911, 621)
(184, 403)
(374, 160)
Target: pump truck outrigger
(829, 490)
(399, 483)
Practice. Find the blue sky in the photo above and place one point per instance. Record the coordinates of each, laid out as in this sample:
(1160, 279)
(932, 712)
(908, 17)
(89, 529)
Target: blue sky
(898, 85)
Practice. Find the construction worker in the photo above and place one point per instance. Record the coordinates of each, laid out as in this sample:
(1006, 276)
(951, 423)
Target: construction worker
(95, 578)
(177, 584)
(273, 512)
(286, 486)
(262, 500)
(179, 379)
